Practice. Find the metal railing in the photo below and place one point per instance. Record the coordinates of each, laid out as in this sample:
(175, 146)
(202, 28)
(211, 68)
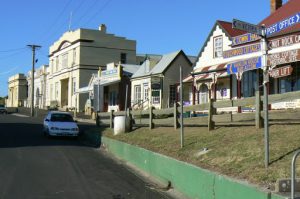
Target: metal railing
(140, 104)
(293, 172)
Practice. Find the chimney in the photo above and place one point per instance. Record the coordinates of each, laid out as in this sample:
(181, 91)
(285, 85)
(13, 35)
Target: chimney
(275, 4)
(102, 28)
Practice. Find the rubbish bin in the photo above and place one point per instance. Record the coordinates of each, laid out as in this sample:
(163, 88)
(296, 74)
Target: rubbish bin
(121, 124)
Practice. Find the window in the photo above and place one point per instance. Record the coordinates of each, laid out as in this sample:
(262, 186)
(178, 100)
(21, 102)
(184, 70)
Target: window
(146, 91)
(51, 91)
(64, 60)
(56, 64)
(137, 93)
(74, 57)
(172, 95)
(74, 85)
(56, 90)
(218, 46)
(123, 58)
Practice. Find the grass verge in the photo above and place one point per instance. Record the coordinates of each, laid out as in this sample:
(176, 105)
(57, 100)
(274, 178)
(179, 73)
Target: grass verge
(233, 151)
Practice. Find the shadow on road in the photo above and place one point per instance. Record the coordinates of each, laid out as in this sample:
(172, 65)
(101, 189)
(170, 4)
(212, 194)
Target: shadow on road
(29, 134)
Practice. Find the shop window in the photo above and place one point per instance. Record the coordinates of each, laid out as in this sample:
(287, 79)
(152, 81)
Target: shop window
(249, 83)
(203, 94)
(155, 96)
(172, 95)
(113, 98)
(218, 47)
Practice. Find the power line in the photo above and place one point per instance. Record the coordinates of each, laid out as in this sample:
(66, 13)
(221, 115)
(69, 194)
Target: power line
(13, 54)
(86, 11)
(11, 50)
(56, 19)
(99, 11)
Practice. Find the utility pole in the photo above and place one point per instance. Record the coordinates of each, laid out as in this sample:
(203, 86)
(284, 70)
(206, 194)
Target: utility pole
(33, 47)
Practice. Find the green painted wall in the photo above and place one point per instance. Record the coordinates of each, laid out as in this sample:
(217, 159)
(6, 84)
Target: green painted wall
(190, 180)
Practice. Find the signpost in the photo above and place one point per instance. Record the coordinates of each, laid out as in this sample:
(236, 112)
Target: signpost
(283, 57)
(245, 65)
(245, 38)
(281, 25)
(250, 28)
(242, 51)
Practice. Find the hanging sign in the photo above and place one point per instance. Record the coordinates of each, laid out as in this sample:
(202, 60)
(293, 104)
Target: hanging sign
(245, 65)
(284, 41)
(283, 57)
(281, 25)
(281, 72)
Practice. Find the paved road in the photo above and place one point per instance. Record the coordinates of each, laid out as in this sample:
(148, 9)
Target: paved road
(34, 167)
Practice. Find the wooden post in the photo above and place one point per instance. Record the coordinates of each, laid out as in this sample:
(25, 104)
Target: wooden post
(175, 116)
(129, 119)
(258, 108)
(211, 123)
(111, 124)
(151, 118)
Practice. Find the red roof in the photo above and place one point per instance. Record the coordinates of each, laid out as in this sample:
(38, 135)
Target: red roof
(227, 26)
(288, 9)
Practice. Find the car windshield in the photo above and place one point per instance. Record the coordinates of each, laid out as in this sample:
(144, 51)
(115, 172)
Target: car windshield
(59, 117)
(1, 106)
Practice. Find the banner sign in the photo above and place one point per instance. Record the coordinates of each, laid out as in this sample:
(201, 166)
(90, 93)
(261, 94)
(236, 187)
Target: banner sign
(284, 41)
(281, 72)
(242, 51)
(283, 57)
(245, 38)
(245, 65)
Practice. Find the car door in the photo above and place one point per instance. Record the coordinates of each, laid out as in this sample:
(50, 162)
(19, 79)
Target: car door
(46, 121)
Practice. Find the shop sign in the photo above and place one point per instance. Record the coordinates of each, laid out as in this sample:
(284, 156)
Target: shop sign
(155, 86)
(245, 38)
(281, 72)
(284, 41)
(245, 65)
(109, 76)
(155, 80)
(283, 57)
(242, 51)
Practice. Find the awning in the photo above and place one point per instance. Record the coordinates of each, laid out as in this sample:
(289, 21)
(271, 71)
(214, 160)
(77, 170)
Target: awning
(86, 89)
(210, 75)
(210, 69)
(188, 79)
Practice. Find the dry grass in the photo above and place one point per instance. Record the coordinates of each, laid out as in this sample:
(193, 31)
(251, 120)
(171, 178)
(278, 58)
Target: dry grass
(234, 151)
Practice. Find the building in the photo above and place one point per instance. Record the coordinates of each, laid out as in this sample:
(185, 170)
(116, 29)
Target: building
(17, 90)
(40, 87)
(229, 64)
(108, 89)
(155, 82)
(76, 56)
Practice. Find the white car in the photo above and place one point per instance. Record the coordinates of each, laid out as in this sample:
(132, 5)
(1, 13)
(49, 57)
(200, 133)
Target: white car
(58, 123)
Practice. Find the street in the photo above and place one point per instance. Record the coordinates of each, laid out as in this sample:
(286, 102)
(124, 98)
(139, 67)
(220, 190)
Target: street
(35, 167)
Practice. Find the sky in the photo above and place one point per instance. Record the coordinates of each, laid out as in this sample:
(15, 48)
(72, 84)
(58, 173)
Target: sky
(158, 26)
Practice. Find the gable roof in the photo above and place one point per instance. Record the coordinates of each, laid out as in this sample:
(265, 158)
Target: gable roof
(226, 27)
(160, 67)
(286, 10)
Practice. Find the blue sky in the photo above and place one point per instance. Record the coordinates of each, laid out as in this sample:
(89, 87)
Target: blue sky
(158, 26)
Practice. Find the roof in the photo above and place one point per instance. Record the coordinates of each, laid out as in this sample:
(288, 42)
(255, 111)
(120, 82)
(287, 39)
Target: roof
(229, 31)
(288, 9)
(164, 62)
(130, 68)
(146, 70)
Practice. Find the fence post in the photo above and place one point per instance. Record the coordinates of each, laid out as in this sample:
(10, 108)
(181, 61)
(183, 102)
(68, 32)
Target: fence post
(211, 123)
(111, 124)
(129, 119)
(258, 108)
(175, 116)
(151, 117)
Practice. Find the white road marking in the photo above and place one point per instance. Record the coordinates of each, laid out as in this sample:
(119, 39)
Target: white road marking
(19, 115)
